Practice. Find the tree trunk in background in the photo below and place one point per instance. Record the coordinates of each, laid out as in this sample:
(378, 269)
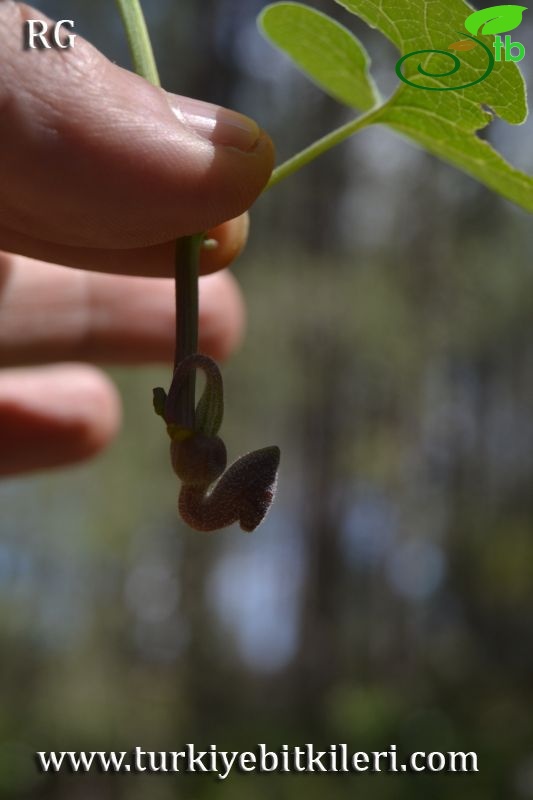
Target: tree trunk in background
(320, 429)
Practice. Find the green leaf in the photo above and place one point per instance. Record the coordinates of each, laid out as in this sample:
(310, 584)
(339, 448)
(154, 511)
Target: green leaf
(498, 19)
(443, 101)
(324, 50)
(445, 122)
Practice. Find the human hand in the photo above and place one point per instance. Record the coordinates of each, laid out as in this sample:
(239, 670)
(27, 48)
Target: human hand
(101, 172)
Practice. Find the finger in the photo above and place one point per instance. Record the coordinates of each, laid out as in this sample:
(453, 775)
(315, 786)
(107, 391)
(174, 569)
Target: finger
(94, 156)
(50, 313)
(52, 416)
(230, 240)
(157, 261)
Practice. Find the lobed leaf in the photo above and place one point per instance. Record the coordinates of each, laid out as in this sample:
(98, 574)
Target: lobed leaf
(446, 122)
(454, 97)
(324, 50)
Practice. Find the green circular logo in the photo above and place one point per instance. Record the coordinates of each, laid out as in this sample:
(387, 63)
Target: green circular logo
(456, 67)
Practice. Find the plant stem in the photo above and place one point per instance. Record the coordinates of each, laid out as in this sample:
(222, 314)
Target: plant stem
(144, 63)
(141, 51)
(187, 248)
(186, 274)
(322, 145)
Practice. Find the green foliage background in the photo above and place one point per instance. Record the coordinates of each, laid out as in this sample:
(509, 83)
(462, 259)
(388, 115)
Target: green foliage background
(389, 596)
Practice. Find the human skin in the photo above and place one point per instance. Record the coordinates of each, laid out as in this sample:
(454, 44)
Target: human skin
(100, 172)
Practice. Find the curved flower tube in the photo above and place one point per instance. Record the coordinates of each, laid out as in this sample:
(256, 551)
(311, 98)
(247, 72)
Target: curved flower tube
(244, 493)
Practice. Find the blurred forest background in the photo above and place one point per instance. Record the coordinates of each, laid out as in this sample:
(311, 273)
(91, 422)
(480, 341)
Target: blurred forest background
(388, 598)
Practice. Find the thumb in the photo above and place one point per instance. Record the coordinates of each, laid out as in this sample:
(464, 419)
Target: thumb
(94, 156)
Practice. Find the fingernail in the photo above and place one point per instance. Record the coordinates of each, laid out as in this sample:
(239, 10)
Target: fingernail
(216, 124)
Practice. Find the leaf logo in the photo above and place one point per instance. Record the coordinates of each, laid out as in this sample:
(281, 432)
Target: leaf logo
(498, 19)
(463, 45)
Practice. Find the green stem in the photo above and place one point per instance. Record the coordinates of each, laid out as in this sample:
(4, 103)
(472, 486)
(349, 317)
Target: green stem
(323, 145)
(141, 51)
(187, 248)
(144, 63)
(186, 274)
